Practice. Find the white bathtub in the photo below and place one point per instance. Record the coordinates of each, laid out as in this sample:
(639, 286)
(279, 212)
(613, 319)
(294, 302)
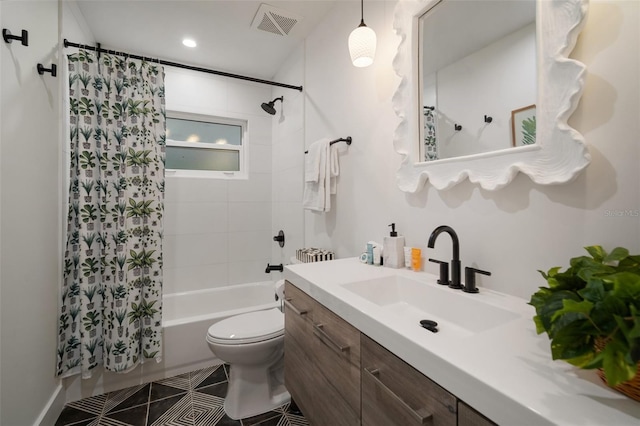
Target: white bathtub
(186, 319)
(179, 309)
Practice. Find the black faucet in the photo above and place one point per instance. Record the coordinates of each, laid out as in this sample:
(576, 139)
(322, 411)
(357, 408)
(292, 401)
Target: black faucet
(455, 262)
(270, 268)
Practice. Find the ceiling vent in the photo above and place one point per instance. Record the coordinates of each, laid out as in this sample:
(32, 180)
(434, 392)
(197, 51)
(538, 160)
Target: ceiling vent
(274, 20)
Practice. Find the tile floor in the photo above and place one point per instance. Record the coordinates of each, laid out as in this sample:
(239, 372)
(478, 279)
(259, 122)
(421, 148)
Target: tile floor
(190, 399)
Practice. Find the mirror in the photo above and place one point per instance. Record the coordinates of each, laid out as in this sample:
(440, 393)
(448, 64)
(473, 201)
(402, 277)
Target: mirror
(488, 56)
(476, 124)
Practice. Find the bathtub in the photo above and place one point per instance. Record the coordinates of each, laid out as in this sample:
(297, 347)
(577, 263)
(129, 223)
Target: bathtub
(212, 305)
(186, 319)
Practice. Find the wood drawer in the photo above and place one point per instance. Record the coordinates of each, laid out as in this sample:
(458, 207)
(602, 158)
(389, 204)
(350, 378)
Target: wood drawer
(467, 416)
(394, 393)
(336, 351)
(331, 346)
(315, 396)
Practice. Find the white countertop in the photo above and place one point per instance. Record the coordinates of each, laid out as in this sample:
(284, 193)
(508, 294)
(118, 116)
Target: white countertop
(505, 372)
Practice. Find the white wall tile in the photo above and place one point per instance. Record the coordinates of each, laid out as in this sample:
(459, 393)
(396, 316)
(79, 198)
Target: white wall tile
(249, 217)
(256, 189)
(247, 97)
(289, 185)
(250, 271)
(250, 245)
(195, 250)
(194, 92)
(260, 159)
(195, 190)
(191, 278)
(195, 218)
(259, 129)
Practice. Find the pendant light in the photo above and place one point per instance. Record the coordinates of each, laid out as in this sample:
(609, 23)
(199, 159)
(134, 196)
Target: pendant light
(362, 43)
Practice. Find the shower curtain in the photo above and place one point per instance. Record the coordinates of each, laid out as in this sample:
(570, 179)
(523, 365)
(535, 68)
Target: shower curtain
(430, 145)
(110, 312)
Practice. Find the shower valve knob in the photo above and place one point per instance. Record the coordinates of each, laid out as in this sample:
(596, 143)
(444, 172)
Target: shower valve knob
(279, 238)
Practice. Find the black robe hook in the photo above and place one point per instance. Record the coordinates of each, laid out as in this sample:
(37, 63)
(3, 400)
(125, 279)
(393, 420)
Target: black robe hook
(53, 70)
(8, 37)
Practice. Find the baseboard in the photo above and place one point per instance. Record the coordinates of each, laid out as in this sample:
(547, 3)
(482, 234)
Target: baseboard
(53, 408)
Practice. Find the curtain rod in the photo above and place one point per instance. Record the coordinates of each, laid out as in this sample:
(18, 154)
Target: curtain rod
(179, 65)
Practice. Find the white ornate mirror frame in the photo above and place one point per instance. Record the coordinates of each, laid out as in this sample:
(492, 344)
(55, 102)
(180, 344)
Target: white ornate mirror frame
(559, 153)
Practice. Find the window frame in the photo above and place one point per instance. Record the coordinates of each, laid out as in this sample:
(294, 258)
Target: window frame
(243, 149)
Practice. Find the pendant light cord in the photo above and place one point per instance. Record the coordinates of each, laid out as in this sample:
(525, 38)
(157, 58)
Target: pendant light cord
(362, 24)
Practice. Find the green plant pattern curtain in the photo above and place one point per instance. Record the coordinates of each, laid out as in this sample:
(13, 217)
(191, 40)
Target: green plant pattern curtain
(430, 145)
(111, 308)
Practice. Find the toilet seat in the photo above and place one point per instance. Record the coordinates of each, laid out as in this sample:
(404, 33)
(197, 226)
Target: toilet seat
(246, 328)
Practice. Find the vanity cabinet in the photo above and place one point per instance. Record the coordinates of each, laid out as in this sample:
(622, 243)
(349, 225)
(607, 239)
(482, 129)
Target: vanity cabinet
(396, 394)
(322, 361)
(467, 416)
(340, 377)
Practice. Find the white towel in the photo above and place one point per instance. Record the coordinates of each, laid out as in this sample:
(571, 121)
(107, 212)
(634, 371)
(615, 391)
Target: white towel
(312, 160)
(334, 168)
(316, 191)
(320, 185)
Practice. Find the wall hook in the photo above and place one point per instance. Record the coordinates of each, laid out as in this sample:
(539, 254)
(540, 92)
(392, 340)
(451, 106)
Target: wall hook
(53, 70)
(488, 119)
(457, 127)
(8, 37)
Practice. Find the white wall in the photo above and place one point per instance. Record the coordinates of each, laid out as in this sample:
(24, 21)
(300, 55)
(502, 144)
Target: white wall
(218, 232)
(288, 161)
(30, 199)
(512, 232)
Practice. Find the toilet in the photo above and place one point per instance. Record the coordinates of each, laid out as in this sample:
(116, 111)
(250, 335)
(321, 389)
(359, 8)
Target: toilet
(253, 345)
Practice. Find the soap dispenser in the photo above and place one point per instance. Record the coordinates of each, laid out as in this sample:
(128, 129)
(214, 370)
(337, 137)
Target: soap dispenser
(393, 249)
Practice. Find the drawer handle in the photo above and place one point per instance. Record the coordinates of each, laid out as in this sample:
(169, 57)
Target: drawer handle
(288, 303)
(323, 336)
(421, 416)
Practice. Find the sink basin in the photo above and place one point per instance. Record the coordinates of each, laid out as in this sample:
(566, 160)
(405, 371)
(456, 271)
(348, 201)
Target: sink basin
(454, 310)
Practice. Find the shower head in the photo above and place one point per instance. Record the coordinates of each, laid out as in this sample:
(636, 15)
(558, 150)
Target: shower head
(269, 107)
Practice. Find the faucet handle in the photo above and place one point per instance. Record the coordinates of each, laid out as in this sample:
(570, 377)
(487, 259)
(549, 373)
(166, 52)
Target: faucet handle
(444, 271)
(470, 279)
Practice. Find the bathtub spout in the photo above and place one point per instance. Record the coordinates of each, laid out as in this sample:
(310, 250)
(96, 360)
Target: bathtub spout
(270, 268)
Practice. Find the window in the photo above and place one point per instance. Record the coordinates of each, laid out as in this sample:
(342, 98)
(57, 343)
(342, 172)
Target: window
(199, 145)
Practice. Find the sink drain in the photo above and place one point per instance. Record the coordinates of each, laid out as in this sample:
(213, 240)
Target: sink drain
(430, 325)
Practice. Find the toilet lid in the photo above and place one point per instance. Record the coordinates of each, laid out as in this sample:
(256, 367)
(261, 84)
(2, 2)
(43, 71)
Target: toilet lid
(248, 328)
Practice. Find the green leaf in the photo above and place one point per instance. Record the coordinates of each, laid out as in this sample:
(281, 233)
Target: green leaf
(593, 291)
(539, 325)
(616, 255)
(597, 252)
(570, 343)
(626, 285)
(572, 306)
(553, 304)
(634, 333)
(616, 369)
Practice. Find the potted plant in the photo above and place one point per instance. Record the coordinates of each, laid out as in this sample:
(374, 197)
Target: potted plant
(591, 313)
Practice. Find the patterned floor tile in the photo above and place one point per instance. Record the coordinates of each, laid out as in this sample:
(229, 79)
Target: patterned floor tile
(178, 414)
(73, 416)
(136, 416)
(219, 390)
(190, 399)
(161, 391)
(208, 376)
(127, 398)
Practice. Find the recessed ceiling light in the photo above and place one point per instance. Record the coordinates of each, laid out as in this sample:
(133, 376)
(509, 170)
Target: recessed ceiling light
(189, 42)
